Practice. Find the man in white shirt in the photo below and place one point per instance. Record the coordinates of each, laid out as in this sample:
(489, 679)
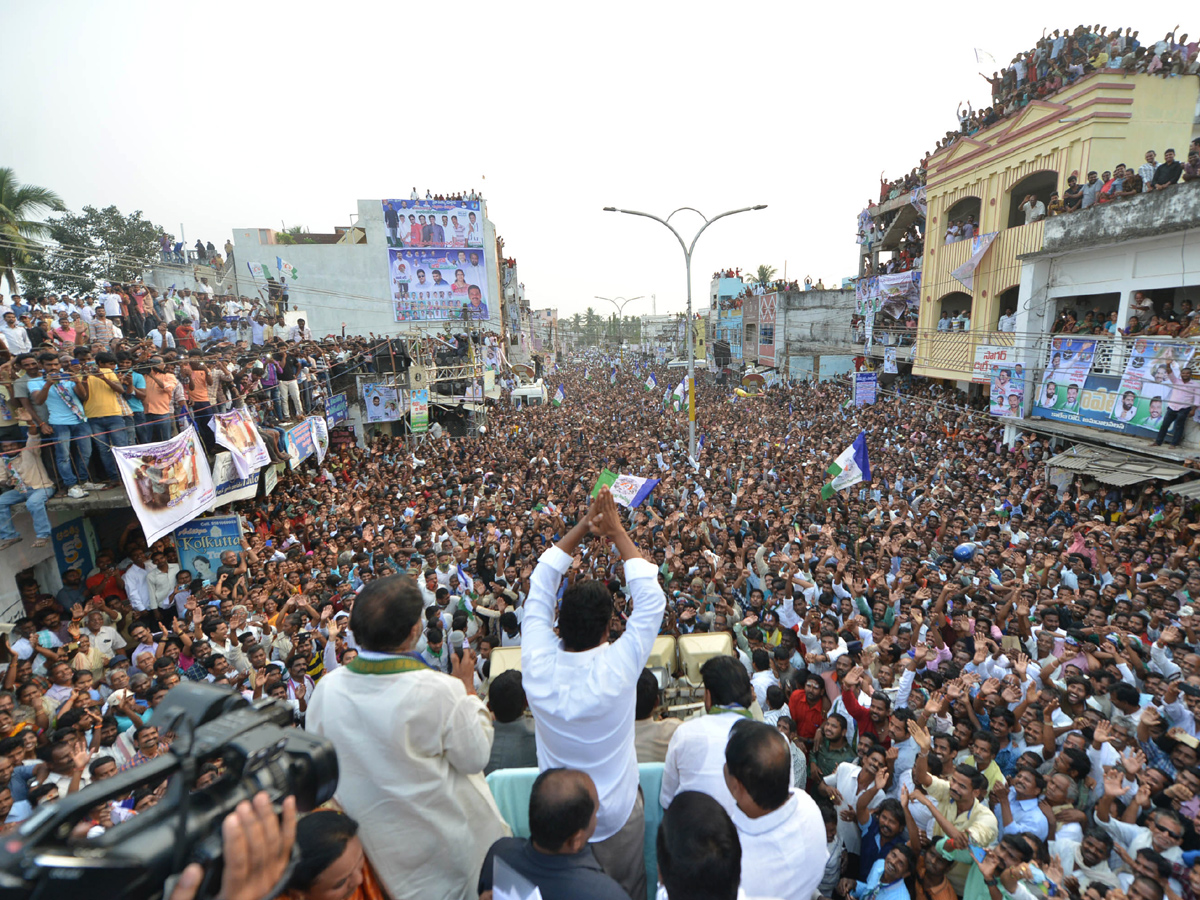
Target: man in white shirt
(16, 338)
(781, 830)
(299, 332)
(162, 337)
(696, 754)
(135, 581)
(160, 582)
(582, 689)
(1008, 322)
(103, 637)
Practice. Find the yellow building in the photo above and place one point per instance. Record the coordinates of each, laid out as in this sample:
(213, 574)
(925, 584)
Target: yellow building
(1103, 119)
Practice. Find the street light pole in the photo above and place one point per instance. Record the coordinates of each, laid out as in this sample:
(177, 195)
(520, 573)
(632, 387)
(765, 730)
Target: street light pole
(620, 320)
(687, 258)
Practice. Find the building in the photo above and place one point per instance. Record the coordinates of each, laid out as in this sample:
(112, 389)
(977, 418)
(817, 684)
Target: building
(374, 278)
(1102, 119)
(725, 317)
(1096, 262)
(799, 334)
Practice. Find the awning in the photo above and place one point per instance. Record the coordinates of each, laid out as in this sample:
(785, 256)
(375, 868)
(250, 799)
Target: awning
(1189, 491)
(1114, 467)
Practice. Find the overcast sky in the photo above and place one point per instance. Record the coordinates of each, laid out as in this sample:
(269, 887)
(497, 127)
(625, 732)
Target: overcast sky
(224, 115)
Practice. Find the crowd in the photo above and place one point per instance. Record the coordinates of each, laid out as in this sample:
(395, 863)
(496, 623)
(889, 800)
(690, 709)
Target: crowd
(456, 197)
(978, 681)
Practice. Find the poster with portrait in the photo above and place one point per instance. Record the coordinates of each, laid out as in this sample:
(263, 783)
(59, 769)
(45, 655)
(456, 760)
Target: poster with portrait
(228, 483)
(439, 284)
(168, 483)
(419, 411)
(1008, 391)
(237, 433)
(899, 292)
(1063, 382)
(201, 542)
(382, 401)
(433, 223)
(1151, 369)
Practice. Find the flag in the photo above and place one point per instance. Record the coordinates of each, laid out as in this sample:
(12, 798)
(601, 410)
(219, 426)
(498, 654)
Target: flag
(257, 270)
(979, 246)
(677, 396)
(559, 396)
(612, 379)
(627, 490)
(587, 375)
(651, 382)
(851, 467)
(286, 269)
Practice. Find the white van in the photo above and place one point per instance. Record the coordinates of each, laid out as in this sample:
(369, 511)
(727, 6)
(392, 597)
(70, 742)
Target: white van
(530, 394)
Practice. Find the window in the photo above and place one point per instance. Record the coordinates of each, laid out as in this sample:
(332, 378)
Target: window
(1040, 185)
(955, 312)
(767, 335)
(962, 219)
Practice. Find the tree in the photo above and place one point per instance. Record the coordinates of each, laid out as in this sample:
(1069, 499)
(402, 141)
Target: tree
(577, 328)
(591, 324)
(293, 234)
(93, 246)
(763, 274)
(20, 204)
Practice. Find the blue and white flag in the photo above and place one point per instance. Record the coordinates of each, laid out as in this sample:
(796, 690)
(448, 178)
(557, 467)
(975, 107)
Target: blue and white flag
(678, 395)
(627, 490)
(612, 379)
(651, 382)
(559, 396)
(851, 467)
(286, 269)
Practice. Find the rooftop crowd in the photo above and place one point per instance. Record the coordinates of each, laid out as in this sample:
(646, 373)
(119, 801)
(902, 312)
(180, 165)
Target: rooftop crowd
(943, 724)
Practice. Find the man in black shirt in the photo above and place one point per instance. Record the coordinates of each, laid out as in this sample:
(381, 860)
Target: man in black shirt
(1073, 197)
(289, 388)
(1168, 173)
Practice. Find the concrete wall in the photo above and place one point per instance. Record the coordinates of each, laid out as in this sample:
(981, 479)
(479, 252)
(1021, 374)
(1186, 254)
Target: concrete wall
(1146, 215)
(20, 558)
(351, 283)
(818, 319)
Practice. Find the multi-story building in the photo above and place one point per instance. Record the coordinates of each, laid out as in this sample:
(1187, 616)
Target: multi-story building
(799, 334)
(1103, 119)
(725, 316)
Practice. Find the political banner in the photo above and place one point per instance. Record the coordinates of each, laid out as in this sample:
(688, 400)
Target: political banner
(201, 542)
(1065, 378)
(889, 361)
(73, 545)
(237, 433)
(168, 483)
(989, 356)
(866, 384)
(270, 478)
(899, 292)
(320, 434)
(1150, 372)
(229, 484)
(433, 223)
(866, 290)
(382, 402)
(1008, 391)
(299, 440)
(337, 409)
(431, 285)
(419, 411)
(979, 247)
(1091, 402)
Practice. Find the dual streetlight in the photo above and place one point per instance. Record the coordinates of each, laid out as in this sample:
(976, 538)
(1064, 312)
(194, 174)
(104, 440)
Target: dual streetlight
(620, 319)
(687, 258)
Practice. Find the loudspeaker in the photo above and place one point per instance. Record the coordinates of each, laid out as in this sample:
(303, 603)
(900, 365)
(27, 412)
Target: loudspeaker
(418, 377)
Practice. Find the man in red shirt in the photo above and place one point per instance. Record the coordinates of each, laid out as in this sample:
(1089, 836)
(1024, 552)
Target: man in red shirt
(808, 707)
(107, 580)
(873, 720)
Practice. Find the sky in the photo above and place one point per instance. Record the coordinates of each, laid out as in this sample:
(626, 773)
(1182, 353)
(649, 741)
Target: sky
(225, 115)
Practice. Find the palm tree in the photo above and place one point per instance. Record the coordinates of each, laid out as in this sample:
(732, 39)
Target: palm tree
(591, 321)
(764, 274)
(577, 327)
(19, 204)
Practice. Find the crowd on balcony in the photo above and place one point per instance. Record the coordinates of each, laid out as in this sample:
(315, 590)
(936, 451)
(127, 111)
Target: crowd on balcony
(1059, 59)
(457, 197)
(727, 273)
(890, 190)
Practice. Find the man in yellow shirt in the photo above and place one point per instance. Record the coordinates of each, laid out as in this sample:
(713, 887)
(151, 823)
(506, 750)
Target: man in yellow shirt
(106, 410)
(984, 747)
(957, 811)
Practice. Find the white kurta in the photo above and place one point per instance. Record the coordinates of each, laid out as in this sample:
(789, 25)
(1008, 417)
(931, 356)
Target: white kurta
(411, 749)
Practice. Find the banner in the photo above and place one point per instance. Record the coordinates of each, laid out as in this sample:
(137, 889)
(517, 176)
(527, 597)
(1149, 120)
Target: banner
(382, 402)
(899, 292)
(299, 439)
(419, 411)
(229, 484)
(979, 246)
(201, 542)
(430, 285)
(1150, 371)
(1063, 382)
(433, 223)
(237, 433)
(1008, 391)
(168, 483)
(271, 478)
(320, 435)
(337, 409)
(72, 545)
(987, 357)
(865, 386)
(866, 289)
(889, 361)
(918, 201)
